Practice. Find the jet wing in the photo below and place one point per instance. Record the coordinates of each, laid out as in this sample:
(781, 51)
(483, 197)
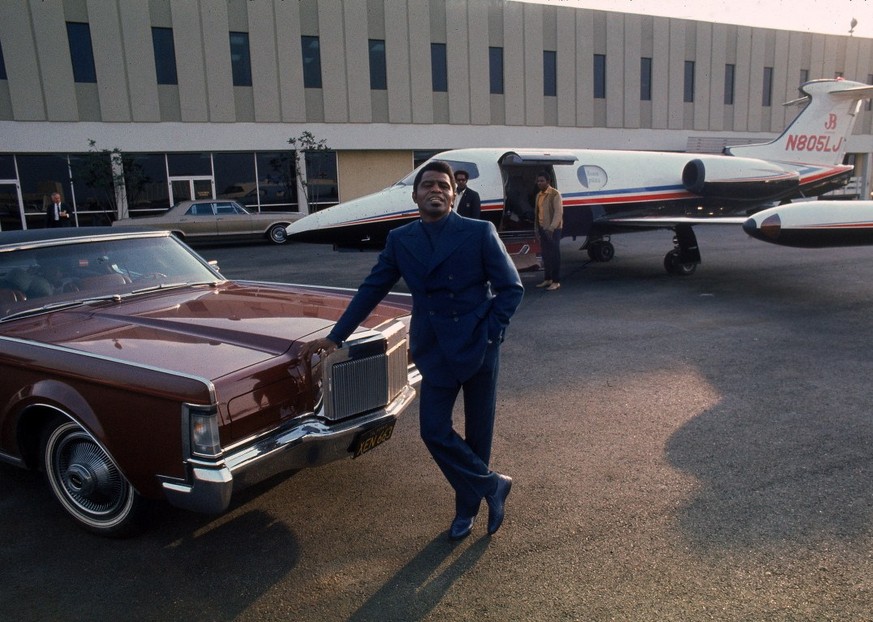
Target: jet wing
(666, 222)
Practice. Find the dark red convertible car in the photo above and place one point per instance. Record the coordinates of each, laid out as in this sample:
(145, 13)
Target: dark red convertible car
(132, 370)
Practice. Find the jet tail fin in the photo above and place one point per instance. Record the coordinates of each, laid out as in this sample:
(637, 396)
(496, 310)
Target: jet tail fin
(819, 133)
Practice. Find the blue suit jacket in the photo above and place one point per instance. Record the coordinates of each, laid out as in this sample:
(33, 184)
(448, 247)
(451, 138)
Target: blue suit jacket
(470, 206)
(464, 292)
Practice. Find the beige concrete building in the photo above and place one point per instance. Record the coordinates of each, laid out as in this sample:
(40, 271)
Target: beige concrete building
(200, 97)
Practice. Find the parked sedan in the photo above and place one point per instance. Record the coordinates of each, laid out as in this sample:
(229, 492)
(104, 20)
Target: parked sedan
(132, 370)
(217, 219)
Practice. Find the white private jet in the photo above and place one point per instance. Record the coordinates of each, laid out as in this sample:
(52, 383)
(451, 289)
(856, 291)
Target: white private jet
(607, 192)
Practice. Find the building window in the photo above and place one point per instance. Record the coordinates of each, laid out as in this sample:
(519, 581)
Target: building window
(439, 67)
(550, 73)
(2, 65)
(234, 174)
(495, 69)
(767, 94)
(378, 67)
(165, 55)
(311, 62)
(600, 76)
(277, 181)
(321, 178)
(7, 167)
(189, 164)
(240, 59)
(729, 77)
(646, 79)
(804, 76)
(689, 82)
(81, 52)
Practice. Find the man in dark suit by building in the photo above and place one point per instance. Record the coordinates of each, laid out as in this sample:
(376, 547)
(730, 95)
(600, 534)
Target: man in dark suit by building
(467, 200)
(465, 289)
(57, 214)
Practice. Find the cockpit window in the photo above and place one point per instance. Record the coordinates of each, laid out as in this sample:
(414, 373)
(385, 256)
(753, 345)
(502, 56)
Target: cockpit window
(471, 167)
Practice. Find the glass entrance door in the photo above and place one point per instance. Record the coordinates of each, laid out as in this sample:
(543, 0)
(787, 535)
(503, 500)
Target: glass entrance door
(11, 217)
(189, 188)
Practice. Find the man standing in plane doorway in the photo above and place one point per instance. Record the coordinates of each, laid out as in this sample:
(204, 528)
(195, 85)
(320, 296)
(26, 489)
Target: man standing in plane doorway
(467, 201)
(549, 222)
(465, 289)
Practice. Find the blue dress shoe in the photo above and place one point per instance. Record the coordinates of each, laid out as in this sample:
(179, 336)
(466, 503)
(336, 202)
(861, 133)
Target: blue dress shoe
(497, 503)
(461, 527)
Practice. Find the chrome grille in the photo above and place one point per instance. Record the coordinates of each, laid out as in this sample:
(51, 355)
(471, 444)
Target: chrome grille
(367, 373)
(359, 385)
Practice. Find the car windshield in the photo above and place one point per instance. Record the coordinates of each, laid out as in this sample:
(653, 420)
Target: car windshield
(75, 271)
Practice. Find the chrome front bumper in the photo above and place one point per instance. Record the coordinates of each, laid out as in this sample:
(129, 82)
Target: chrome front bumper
(302, 444)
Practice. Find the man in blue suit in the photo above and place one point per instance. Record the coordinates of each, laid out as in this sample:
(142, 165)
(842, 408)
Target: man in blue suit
(468, 202)
(465, 289)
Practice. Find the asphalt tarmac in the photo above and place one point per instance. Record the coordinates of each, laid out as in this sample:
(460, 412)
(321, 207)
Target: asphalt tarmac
(682, 448)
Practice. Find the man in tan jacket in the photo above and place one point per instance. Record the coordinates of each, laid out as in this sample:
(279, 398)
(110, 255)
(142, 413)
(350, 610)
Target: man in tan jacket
(550, 221)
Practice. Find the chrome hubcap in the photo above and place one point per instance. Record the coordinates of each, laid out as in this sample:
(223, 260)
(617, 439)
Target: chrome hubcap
(89, 478)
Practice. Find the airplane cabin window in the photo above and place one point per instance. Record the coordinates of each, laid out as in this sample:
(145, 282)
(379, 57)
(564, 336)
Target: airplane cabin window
(591, 177)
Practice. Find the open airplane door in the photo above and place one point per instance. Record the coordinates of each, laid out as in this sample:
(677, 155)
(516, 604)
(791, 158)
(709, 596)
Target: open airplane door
(519, 170)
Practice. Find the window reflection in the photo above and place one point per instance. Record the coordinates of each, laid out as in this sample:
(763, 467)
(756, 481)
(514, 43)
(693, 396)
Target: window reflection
(40, 176)
(165, 56)
(152, 196)
(240, 62)
(321, 179)
(311, 49)
(189, 164)
(93, 188)
(277, 183)
(81, 52)
(234, 175)
(89, 182)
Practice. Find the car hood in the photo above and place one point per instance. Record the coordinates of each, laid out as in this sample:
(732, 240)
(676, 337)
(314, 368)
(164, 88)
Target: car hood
(209, 330)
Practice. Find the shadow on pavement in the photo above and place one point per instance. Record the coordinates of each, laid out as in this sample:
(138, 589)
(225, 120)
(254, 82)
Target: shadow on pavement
(419, 586)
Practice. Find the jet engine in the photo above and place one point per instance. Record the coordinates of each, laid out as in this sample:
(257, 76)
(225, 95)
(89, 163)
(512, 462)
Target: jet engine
(724, 179)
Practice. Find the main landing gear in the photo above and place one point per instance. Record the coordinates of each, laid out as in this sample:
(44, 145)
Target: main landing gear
(683, 259)
(600, 249)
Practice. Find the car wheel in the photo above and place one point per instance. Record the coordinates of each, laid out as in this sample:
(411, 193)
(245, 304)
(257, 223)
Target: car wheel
(277, 234)
(87, 482)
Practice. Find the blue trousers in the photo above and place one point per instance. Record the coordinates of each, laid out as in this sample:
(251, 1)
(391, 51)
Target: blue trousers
(463, 461)
(550, 247)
